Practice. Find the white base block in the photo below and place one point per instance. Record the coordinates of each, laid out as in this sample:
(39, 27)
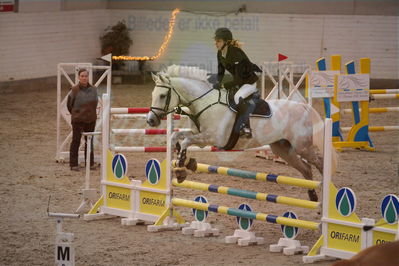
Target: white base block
(244, 238)
(169, 224)
(131, 221)
(289, 247)
(200, 229)
(97, 216)
(315, 258)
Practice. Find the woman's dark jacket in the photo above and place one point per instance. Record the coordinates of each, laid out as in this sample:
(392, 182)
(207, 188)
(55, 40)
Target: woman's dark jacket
(82, 104)
(238, 64)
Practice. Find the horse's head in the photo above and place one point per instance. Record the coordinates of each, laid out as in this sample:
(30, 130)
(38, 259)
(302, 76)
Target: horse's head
(164, 99)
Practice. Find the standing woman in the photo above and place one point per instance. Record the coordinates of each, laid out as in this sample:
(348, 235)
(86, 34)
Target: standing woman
(82, 104)
(231, 58)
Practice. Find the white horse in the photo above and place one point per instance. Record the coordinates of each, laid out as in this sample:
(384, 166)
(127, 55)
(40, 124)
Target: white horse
(294, 131)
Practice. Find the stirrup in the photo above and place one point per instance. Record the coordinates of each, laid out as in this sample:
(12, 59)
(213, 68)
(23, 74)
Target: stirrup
(246, 132)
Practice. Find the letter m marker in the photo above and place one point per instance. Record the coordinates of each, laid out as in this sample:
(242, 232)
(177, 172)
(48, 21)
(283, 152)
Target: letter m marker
(64, 255)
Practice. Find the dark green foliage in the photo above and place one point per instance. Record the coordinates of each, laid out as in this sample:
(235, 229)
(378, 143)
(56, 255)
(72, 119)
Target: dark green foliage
(116, 39)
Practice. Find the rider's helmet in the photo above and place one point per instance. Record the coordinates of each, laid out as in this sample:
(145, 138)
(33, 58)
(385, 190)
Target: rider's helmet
(224, 34)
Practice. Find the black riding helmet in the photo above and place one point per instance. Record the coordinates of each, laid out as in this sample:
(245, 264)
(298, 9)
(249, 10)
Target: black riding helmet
(224, 34)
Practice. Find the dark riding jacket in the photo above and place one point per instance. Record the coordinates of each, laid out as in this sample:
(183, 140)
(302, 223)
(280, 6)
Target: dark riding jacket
(82, 104)
(238, 64)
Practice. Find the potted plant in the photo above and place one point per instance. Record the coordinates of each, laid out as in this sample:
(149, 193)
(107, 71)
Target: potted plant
(116, 40)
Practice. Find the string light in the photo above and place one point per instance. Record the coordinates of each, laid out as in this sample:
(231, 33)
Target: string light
(161, 50)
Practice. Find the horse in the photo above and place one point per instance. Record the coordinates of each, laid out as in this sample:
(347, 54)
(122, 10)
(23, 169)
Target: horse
(384, 254)
(294, 131)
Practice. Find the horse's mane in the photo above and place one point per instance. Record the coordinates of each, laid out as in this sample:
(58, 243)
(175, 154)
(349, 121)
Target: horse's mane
(187, 72)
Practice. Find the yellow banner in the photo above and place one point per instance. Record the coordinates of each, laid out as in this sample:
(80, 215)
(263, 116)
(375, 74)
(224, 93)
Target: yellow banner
(344, 237)
(381, 237)
(118, 197)
(152, 203)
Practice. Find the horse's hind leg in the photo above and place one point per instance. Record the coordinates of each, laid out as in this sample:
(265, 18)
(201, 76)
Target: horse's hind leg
(313, 156)
(284, 149)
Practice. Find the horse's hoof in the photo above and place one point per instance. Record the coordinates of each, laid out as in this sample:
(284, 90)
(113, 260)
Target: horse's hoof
(313, 195)
(178, 148)
(181, 174)
(192, 164)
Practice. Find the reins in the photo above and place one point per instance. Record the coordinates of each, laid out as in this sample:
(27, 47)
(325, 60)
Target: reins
(179, 110)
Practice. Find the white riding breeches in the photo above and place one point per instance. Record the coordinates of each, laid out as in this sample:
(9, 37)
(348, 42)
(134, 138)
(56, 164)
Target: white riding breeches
(244, 92)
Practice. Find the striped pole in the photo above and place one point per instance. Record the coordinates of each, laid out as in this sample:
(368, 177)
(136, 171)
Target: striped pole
(385, 96)
(376, 110)
(279, 179)
(247, 194)
(384, 91)
(375, 129)
(191, 148)
(134, 131)
(245, 214)
(135, 116)
(130, 110)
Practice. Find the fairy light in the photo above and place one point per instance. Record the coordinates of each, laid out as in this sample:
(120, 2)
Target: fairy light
(161, 50)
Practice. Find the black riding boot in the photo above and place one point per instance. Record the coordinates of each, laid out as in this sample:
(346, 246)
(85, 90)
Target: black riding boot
(245, 108)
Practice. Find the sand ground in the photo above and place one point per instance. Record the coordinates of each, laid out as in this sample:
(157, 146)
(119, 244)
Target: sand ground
(29, 175)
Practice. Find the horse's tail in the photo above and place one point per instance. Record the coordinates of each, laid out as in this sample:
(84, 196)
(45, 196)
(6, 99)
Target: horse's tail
(318, 137)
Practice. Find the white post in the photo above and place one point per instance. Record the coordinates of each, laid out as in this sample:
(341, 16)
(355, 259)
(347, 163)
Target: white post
(263, 85)
(326, 175)
(58, 155)
(291, 77)
(280, 80)
(89, 137)
(109, 78)
(169, 155)
(64, 249)
(89, 195)
(91, 75)
(105, 137)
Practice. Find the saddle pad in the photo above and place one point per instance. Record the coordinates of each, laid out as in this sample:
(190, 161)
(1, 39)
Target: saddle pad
(262, 108)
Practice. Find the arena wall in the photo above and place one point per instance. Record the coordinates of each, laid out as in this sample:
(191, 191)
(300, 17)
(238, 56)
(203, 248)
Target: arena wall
(34, 43)
(325, 7)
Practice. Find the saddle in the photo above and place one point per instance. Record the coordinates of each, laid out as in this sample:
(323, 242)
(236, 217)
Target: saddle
(262, 110)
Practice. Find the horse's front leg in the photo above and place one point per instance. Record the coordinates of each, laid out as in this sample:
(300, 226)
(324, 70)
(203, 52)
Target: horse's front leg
(176, 136)
(180, 166)
(184, 163)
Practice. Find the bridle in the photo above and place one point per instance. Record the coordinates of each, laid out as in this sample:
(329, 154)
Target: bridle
(164, 111)
(194, 117)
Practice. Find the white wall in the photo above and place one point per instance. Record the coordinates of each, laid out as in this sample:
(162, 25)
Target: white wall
(303, 38)
(331, 7)
(35, 6)
(32, 44)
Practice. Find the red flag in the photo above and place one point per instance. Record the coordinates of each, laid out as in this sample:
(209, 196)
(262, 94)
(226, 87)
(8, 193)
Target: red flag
(281, 57)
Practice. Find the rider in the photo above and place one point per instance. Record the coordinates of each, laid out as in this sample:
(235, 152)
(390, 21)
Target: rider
(233, 59)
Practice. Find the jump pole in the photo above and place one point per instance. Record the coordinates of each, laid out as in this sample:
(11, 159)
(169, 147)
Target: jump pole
(132, 200)
(245, 214)
(375, 129)
(388, 91)
(384, 96)
(246, 194)
(192, 148)
(376, 110)
(160, 224)
(279, 179)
